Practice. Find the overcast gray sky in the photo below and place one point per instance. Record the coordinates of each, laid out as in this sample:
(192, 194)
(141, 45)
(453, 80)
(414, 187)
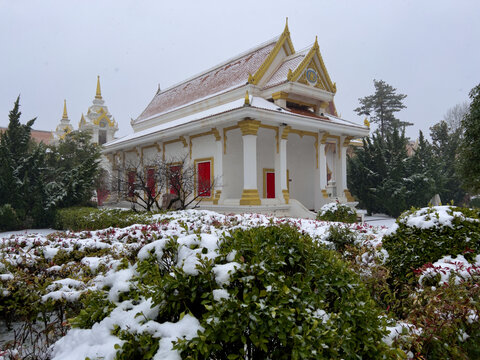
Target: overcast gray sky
(54, 50)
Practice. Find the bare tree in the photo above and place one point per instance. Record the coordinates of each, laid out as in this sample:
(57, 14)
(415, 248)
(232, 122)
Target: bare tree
(453, 117)
(161, 184)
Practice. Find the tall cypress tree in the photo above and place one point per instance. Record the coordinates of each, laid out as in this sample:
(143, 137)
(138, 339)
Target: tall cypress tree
(15, 145)
(469, 154)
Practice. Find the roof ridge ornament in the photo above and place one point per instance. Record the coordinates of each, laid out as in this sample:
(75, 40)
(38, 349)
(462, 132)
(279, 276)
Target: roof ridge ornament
(99, 92)
(285, 42)
(247, 99)
(286, 30)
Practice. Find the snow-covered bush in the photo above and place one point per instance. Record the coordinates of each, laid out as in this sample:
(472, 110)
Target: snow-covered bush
(337, 212)
(86, 218)
(428, 234)
(266, 292)
(447, 319)
(341, 237)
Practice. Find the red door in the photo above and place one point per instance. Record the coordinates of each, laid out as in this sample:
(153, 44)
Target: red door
(204, 185)
(174, 179)
(151, 181)
(270, 185)
(131, 183)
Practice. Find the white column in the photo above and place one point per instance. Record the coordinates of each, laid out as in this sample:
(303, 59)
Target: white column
(218, 173)
(281, 185)
(250, 161)
(341, 168)
(321, 178)
(250, 195)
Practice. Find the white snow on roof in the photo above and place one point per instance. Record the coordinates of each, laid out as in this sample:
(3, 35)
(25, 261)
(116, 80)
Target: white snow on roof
(256, 102)
(184, 120)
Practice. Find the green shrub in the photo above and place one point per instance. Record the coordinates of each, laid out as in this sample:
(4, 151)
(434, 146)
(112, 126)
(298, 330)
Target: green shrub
(448, 317)
(337, 212)
(340, 237)
(86, 218)
(291, 298)
(96, 307)
(475, 202)
(426, 235)
(8, 218)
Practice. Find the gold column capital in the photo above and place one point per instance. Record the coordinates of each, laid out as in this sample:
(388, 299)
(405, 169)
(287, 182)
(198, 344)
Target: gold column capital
(249, 126)
(285, 132)
(279, 95)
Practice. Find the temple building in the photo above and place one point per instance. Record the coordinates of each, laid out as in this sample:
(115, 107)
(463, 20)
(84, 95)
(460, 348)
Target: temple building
(99, 122)
(263, 126)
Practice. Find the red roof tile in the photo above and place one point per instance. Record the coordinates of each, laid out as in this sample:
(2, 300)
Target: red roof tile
(37, 135)
(280, 75)
(223, 77)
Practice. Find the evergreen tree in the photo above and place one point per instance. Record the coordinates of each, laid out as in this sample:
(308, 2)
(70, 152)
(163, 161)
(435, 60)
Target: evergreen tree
(19, 158)
(382, 105)
(73, 169)
(385, 179)
(446, 138)
(469, 154)
(422, 176)
(36, 180)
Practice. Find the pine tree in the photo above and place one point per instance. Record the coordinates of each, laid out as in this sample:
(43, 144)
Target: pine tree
(385, 179)
(74, 170)
(15, 162)
(445, 145)
(382, 105)
(469, 154)
(423, 174)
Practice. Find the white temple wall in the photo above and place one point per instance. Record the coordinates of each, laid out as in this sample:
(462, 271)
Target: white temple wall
(131, 159)
(301, 164)
(150, 155)
(175, 151)
(233, 166)
(203, 147)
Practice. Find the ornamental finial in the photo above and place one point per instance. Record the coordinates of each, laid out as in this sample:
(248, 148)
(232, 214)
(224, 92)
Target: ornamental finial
(286, 26)
(99, 92)
(247, 99)
(65, 116)
(366, 123)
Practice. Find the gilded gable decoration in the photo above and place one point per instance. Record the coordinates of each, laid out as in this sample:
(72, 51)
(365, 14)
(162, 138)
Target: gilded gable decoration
(317, 74)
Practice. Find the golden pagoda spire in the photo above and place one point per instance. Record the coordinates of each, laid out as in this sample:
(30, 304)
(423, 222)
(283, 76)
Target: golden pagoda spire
(65, 116)
(99, 92)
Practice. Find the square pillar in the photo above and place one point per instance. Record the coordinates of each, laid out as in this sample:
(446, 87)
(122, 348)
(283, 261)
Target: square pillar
(281, 191)
(321, 195)
(341, 168)
(218, 170)
(250, 195)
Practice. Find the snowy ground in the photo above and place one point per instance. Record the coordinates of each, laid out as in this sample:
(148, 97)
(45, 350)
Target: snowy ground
(7, 234)
(380, 220)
